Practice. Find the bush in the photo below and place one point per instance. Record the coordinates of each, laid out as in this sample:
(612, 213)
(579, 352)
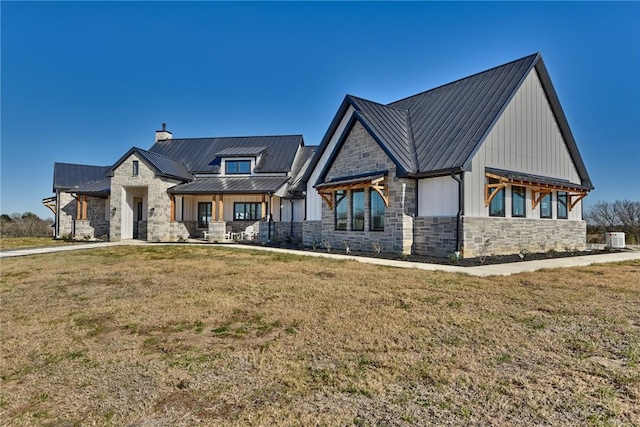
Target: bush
(25, 225)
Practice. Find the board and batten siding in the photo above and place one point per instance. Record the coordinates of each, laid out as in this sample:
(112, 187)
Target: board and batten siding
(437, 197)
(314, 201)
(526, 138)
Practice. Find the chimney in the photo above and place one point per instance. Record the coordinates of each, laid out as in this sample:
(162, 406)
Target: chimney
(163, 134)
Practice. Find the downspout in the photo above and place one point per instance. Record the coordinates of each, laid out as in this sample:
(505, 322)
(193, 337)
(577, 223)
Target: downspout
(57, 225)
(460, 207)
(269, 206)
(415, 219)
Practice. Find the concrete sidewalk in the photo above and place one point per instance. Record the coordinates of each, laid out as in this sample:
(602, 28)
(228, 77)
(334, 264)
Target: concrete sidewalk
(481, 271)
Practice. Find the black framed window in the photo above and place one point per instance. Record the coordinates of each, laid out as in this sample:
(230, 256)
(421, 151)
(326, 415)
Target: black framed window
(377, 212)
(136, 167)
(237, 167)
(518, 199)
(357, 210)
(341, 210)
(247, 211)
(563, 212)
(204, 214)
(545, 206)
(496, 207)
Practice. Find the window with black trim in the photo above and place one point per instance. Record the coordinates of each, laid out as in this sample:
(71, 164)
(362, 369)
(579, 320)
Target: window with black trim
(136, 167)
(247, 211)
(518, 202)
(341, 210)
(357, 210)
(377, 212)
(204, 214)
(237, 167)
(563, 212)
(496, 207)
(545, 206)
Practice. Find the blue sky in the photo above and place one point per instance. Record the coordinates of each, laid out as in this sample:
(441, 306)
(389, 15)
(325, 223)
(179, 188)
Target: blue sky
(84, 82)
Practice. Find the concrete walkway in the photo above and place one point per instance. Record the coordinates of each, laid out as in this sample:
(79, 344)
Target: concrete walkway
(481, 271)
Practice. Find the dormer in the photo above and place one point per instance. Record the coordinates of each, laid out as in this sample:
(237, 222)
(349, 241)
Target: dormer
(239, 161)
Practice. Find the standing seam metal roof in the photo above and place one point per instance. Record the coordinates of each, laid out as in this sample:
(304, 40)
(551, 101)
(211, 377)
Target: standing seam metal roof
(198, 154)
(67, 176)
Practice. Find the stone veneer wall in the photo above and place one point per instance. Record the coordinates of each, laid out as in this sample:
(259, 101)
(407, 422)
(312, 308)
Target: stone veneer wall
(435, 236)
(361, 154)
(159, 227)
(66, 215)
(280, 231)
(96, 224)
(311, 232)
(511, 235)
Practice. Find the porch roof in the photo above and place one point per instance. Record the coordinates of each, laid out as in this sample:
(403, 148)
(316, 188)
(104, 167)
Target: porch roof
(529, 180)
(221, 185)
(348, 181)
(97, 188)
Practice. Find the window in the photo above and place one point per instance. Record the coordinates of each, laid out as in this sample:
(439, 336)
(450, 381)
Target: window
(496, 207)
(247, 211)
(136, 167)
(341, 210)
(518, 198)
(563, 213)
(377, 212)
(204, 214)
(237, 167)
(357, 210)
(545, 206)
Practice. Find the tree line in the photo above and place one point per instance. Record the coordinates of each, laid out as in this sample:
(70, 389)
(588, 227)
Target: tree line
(621, 215)
(27, 224)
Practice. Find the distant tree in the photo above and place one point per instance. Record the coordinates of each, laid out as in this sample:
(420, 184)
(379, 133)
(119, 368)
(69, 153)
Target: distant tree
(621, 215)
(27, 224)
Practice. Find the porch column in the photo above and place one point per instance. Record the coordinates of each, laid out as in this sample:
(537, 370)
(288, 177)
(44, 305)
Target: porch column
(221, 208)
(173, 208)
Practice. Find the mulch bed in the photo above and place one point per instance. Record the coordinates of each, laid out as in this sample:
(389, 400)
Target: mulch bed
(464, 262)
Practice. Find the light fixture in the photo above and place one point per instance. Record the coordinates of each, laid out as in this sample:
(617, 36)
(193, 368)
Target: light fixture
(113, 211)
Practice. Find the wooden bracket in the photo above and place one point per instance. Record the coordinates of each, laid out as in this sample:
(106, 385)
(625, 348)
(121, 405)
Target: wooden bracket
(489, 195)
(573, 203)
(537, 194)
(328, 198)
(381, 189)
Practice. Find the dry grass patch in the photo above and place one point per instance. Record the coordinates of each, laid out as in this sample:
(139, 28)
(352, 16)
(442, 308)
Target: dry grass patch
(8, 243)
(178, 335)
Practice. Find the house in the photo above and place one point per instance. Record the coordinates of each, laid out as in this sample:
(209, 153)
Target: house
(486, 163)
(217, 188)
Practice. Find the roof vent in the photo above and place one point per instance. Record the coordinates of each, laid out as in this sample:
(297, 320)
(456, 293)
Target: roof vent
(163, 134)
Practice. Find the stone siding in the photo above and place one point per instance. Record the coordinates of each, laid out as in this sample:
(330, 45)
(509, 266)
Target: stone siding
(435, 236)
(361, 154)
(66, 215)
(158, 203)
(311, 232)
(96, 225)
(281, 231)
(512, 235)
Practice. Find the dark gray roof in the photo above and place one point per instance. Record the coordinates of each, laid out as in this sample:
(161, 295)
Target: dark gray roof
(538, 179)
(67, 176)
(218, 185)
(162, 165)
(241, 151)
(300, 164)
(438, 131)
(97, 188)
(200, 155)
(353, 179)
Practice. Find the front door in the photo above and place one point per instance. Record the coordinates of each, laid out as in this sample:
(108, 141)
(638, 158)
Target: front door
(137, 217)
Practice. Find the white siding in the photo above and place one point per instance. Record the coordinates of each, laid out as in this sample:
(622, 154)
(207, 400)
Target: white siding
(438, 196)
(526, 138)
(314, 201)
(298, 210)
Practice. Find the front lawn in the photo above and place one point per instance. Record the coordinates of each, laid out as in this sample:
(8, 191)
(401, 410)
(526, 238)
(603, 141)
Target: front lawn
(181, 335)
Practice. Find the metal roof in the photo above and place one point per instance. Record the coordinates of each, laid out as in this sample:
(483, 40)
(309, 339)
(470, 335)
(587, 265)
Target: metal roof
(241, 151)
(353, 179)
(300, 165)
(67, 176)
(438, 131)
(97, 188)
(198, 154)
(219, 185)
(520, 176)
(162, 165)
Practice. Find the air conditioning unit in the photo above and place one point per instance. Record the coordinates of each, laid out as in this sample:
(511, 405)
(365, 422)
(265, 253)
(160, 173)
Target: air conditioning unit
(614, 240)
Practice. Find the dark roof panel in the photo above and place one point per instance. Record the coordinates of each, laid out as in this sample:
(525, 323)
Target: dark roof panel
(198, 153)
(67, 176)
(219, 185)
(520, 176)
(97, 188)
(241, 151)
(166, 166)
